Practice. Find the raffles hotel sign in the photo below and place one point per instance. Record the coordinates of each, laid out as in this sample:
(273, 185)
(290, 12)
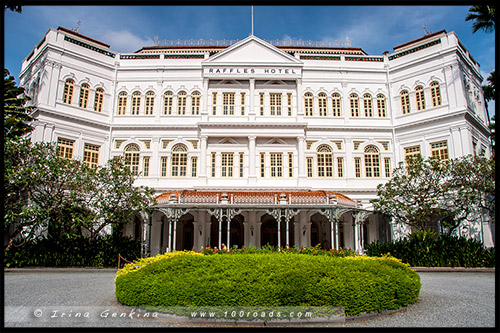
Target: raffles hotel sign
(282, 72)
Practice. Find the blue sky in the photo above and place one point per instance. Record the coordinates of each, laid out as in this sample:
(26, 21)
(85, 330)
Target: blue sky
(375, 29)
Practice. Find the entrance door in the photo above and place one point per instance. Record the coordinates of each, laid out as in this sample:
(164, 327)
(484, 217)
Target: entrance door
(269, 231)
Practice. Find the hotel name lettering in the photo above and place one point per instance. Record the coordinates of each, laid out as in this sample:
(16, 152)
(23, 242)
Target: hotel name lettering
(252, 71)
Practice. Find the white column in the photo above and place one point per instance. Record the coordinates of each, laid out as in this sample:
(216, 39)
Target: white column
(251, 156)
(203, 157)
(251, 111)
(154, 163)
(301, 160)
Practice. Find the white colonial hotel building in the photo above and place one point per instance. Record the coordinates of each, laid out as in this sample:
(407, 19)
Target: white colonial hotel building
(251, 132)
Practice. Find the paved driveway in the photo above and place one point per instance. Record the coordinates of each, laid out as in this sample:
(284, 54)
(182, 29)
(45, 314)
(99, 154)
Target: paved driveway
(85, 298)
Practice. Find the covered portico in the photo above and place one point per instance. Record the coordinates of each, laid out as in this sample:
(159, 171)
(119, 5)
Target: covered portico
(193, 219)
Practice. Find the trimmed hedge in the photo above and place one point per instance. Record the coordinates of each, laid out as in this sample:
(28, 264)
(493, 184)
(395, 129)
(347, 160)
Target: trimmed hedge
(73, 251)
(361, 284)
(426, 249)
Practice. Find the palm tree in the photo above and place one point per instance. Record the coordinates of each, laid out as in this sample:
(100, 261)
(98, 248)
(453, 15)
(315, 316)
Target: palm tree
(483, 17)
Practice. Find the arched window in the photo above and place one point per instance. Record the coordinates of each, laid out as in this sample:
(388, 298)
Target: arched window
(336, 109)
(381, 106)
(368, 105)
(195, 103)
(372, 162)
(136, 103)
(69, 86)
(84, 96)
(419, 97)
(181, 103)
(435, 94)
(168, 102)
(354, 99)
(405, 102)
(122, 103)
(323, 112)
(179, 160)
(149, 103)
(308, 104)
(131, 156)
(325, 161)
(98, 100)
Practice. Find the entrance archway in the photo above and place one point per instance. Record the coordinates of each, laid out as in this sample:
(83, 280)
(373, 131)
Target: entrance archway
(320, 231)
(269, 230)
(237, 233)
(187, 232)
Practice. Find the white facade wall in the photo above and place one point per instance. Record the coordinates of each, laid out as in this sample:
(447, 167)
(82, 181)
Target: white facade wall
(252, 67)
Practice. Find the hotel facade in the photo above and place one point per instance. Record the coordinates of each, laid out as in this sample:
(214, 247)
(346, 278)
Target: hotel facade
(238, 135)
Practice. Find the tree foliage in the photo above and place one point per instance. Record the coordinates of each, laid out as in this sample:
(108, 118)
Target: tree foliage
(17, 115)
(44, 192)
(427, 192)
(483, 17)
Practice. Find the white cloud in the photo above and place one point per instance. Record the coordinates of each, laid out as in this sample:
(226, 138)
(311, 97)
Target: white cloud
(124, 41)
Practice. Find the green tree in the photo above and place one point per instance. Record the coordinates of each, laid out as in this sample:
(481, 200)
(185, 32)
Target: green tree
(17, 115)
(44, 192)
(483, 17)
(110, 198)
(429, 192)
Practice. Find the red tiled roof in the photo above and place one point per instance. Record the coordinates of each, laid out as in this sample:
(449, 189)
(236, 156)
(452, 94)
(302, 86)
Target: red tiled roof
(83, 36)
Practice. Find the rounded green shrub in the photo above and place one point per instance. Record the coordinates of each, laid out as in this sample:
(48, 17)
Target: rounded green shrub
(360, 284)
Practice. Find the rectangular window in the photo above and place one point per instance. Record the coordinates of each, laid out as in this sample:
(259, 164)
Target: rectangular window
(168, 102)
(122, 103)
(213, 160)
(336, 110)
(262, 165)
(290, 165)
(65, 148)
(323, 112)
(136, 103)
(387, 166)
(357, 166)
(354, 106)
(214, 103)
(289, 104)
(227, 162)
(149, 103)
(228, 103)
(145, 166)
(309, 161)
(340, 167)
(163, 166)
(276, 165)
(98, 100)
(242, 103)
(195, 103)
(91, 155)
(241, 159)
(181, 103)
(411, 151)
(261, 99)
(84, 96)
(194, 166)
(275, 103)
(440, 150)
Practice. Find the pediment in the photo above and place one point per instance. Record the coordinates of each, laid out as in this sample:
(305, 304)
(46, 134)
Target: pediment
(276, 141)
(227, 141)
(252, 50)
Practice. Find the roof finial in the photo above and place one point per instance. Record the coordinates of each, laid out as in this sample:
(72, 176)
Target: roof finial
(425, 29)
(77, 26)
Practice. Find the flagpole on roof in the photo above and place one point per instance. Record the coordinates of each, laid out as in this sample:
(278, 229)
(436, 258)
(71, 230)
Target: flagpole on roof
(252, 20)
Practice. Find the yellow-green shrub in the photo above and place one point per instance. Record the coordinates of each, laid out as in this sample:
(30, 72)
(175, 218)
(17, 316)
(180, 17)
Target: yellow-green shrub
(360, 284)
